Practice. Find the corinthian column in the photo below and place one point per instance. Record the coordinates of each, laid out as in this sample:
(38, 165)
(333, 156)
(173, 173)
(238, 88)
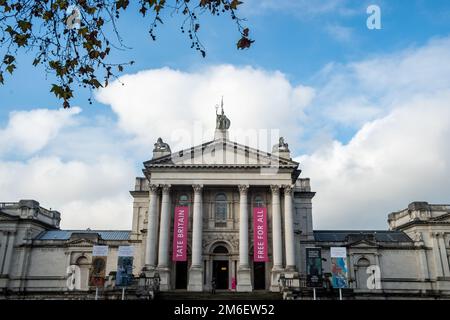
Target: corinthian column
(277, 240)
(244, 282)
(439, 272)
(163, 253)
(164, 231)
(152, 229)
(196, 270)
(8, 245)
(444, 258)
(289, 229)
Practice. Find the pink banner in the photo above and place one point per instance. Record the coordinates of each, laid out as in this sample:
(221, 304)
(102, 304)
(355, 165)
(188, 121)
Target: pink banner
(180, 227)
(260, 235)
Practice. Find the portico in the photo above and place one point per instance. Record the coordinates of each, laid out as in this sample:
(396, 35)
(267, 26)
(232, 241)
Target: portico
(237, 238)
(221, 183)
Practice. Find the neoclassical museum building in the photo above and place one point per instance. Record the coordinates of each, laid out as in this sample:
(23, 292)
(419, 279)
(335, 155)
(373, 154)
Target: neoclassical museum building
(226, 215)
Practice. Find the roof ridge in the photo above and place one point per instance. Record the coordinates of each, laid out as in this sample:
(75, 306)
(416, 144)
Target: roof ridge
(347, 231)
(226, 141)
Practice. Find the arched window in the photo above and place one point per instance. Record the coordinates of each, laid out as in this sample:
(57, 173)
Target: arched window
(220, 249)
(83, 265)
(221, 207)
(363, 262)
(183, 200)
(259, 202)
(361, 273)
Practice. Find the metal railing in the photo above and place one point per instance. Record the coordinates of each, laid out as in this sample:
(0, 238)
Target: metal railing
(148, 287)
(47, 212)
(294, 283)
(4, 205)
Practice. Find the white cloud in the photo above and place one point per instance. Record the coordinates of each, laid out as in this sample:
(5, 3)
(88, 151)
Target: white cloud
(389, 163)
(113, 212)
(91, 195)
(340, 33)
(399, 106)
(77, 166)
(362, 91)
(30, 131)
(300, 8)
(85, 167)
(318, 6)
(179, 106)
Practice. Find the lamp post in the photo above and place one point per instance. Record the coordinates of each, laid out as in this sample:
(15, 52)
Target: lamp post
(142, 280)
(156, 282)
(282, 281)
(143, 285)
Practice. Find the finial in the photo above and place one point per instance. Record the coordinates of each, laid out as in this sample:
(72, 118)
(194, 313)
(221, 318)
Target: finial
(221, 104)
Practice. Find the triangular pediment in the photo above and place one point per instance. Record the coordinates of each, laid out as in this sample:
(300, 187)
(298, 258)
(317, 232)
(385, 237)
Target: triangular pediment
(81, 242)
(363, 244)
(442, 218)
(221, 153)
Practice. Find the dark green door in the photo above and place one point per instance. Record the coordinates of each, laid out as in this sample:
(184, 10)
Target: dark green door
(181, 275)
(221, 274)
(259, 275)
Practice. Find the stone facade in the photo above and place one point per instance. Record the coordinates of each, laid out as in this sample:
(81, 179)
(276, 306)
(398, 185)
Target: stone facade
(242, 178)
(35, 254)
(221, 182)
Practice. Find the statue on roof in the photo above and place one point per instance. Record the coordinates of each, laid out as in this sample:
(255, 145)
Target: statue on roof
(222, 122)
(161, 146)
(282, 145)
(418, 237)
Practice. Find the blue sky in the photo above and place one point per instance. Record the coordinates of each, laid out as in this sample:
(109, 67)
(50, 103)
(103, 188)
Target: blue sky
(293, 39)
(319, 52)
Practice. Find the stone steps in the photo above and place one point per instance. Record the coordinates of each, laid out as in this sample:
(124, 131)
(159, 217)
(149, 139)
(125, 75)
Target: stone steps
(219, 295)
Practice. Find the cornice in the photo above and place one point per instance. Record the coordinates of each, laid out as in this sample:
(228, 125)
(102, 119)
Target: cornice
(139, 194)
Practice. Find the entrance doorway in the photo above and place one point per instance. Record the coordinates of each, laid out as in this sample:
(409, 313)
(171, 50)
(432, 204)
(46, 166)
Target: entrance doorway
(259, 275)
(220, 273)
(181, 268)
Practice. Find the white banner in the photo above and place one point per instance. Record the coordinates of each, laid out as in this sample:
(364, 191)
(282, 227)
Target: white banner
(100, 251)
(126, 251)
(338, 252)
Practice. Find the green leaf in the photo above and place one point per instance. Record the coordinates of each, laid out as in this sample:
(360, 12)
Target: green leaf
(10, 30)
(48, 15)
(94, 82)
(10, 68)
(122, 4)
(21, 39)
(234, 4)
(24, 25)
(8, 59)
(57, 90)
(61, 92)
(244, 43)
